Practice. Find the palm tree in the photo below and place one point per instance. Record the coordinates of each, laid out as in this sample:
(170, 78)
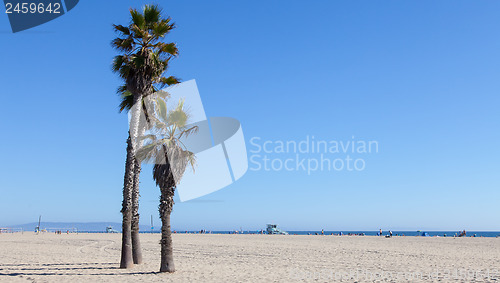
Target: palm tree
(163, 147)
(143, 60)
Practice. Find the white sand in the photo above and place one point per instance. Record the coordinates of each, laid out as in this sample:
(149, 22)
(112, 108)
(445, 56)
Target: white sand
(250, 258)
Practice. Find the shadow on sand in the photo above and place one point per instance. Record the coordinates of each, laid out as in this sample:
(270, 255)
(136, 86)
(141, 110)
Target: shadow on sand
(48, 269)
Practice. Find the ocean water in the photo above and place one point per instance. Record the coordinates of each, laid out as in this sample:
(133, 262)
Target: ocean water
(405, 233)
(366, 233)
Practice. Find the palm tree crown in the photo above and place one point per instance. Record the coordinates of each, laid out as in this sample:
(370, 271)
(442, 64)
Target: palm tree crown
(162, 142)
(145, 56)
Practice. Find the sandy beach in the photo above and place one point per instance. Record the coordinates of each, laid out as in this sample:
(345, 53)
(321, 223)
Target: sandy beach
(249, 258)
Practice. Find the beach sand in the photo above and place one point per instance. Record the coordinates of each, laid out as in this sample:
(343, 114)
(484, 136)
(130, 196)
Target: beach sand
(250, 258)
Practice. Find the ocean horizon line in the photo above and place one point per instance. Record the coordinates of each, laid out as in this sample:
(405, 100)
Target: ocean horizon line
(395, 233)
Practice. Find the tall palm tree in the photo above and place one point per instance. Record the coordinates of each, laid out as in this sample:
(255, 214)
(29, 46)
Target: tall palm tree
(163, 147)
(143, 60)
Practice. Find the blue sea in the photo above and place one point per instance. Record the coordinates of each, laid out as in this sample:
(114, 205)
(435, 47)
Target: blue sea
(402, 233)
(365, 233)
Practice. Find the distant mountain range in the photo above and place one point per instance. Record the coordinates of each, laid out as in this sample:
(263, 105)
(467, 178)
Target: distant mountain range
(80, 226)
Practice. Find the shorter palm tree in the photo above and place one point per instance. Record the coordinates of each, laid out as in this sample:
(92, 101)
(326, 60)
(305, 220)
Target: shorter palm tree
(162, 145)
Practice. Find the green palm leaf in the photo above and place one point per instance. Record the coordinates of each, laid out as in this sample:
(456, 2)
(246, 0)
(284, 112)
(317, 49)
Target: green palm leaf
(137, 18)
(151, 14)
(122, 29)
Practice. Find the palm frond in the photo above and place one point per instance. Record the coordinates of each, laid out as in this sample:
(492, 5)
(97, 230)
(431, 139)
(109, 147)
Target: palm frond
(126, 98)
(137, 18)
(124, 71)
(138, 61)
(123, 44)
(151, 14)
(118, 63)
(123, 30)
(160, 29)
(168, 48)
(169, 81)
(161, 109)
(138, 32)
(189, 131)
(163, 94)
(178, 117)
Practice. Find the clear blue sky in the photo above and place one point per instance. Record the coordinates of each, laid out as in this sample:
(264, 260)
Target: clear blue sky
(419, 77)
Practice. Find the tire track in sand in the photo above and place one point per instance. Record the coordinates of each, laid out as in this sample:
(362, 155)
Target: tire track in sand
(103, 248)
(80, 249)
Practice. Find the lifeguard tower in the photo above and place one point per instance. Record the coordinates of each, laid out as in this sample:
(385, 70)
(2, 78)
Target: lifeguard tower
(272, 229)
(110, 229)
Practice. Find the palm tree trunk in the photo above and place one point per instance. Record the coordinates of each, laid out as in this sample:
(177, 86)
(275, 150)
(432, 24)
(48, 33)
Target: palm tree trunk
(136, 244)
(126, 257)
(127, 260)
(166, 204)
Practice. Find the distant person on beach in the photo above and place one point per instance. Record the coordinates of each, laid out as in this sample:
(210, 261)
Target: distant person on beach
(380, 232)
(322, 232)
(390, 233)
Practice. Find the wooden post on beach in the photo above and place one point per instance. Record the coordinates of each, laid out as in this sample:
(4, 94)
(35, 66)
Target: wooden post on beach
(38, 227)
